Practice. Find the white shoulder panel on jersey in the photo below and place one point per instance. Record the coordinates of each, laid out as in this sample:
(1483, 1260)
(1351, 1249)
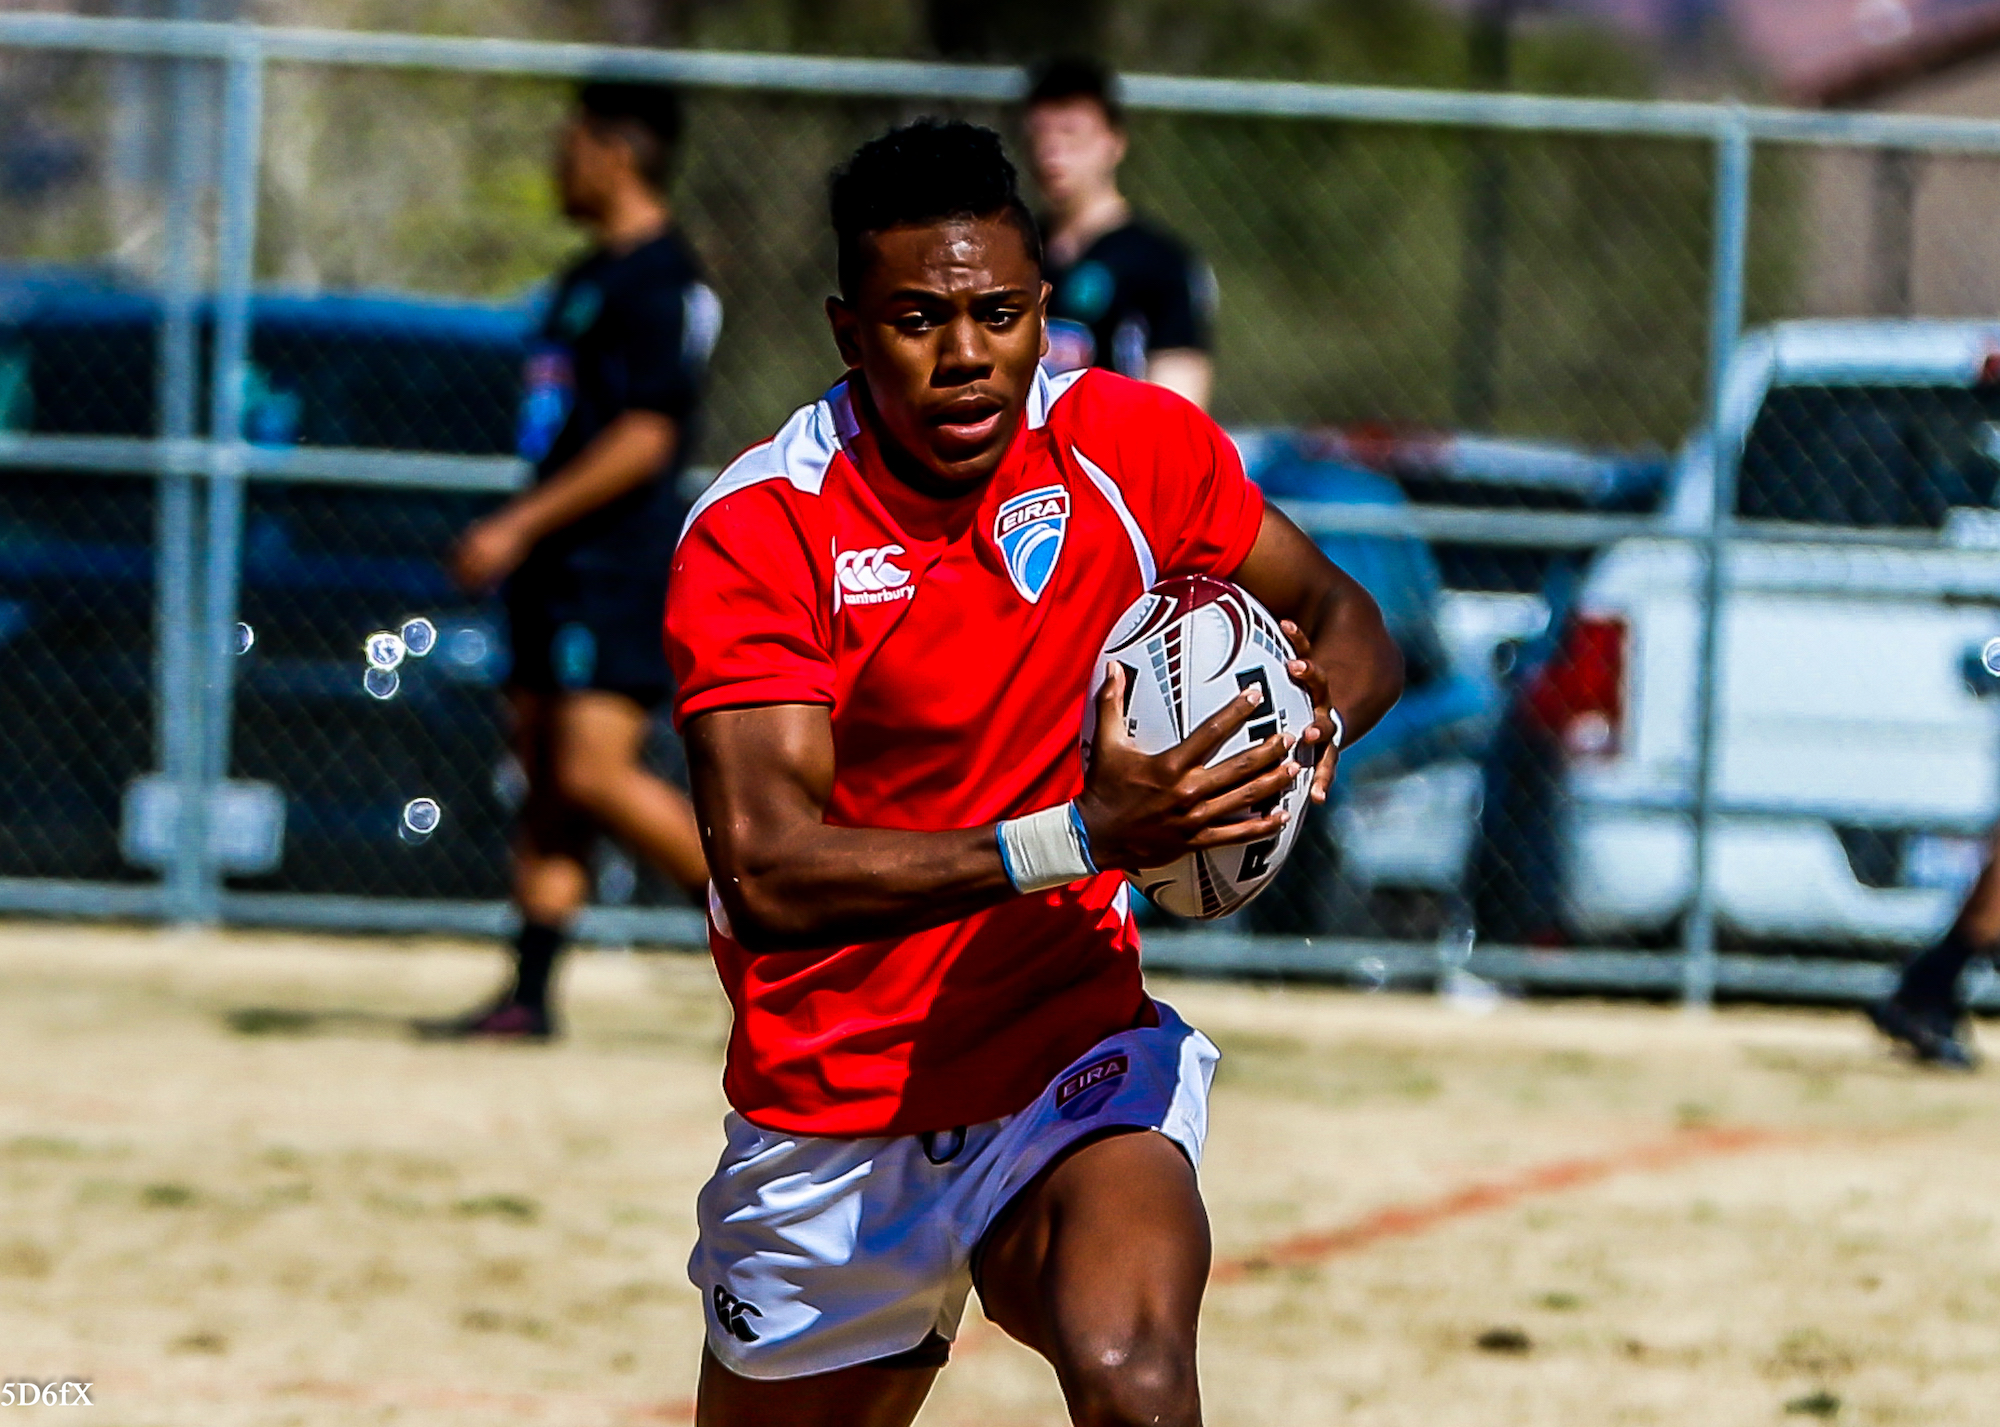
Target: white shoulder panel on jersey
(1108, 488)
(1046, 392)
(800, 454)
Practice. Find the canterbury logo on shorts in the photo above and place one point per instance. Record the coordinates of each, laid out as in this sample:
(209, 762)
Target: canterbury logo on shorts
(733, 1314)
(870, 577)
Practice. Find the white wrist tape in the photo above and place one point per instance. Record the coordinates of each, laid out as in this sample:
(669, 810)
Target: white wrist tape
(1045, 849)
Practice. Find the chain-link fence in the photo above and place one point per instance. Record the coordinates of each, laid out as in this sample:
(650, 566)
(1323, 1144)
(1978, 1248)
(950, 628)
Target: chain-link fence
(265, 298)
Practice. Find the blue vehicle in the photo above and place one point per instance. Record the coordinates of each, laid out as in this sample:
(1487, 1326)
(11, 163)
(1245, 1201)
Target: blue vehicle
(323, 566)
(1510, 870)
(1445, 718)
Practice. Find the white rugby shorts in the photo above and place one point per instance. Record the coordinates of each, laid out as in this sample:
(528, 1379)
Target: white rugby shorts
(818, 1254)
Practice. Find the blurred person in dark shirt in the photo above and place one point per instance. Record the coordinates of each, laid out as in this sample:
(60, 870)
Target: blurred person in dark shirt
(1127, 294)
(581, 556)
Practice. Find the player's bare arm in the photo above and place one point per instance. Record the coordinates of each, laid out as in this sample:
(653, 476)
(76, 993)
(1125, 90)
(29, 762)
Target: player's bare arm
(1348, 663)
(762, 777)
(632, 450)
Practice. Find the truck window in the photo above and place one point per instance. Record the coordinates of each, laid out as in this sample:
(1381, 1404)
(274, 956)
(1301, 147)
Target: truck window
(1871, 456)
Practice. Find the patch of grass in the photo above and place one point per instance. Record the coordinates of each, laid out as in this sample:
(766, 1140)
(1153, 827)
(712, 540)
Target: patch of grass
(269, 1021)
(421, 1167)
(44, 1147)
(502, 1273)
(1561, 1301)
(203, 1342)
(381, 1277)
(1814, 1404)
(167, 1196)
(500, 1206)
(1286, 1065)
(19, 1258)
(1691, 1115)
(1504, 1339)
(1809, 1351)
(644, 1291)
(487, 1320)
(402, 1204)
(1570, 1062)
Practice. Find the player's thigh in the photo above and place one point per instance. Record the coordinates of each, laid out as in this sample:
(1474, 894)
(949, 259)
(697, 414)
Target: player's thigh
(864, 1396)
(598, 732)
(1103, 1256)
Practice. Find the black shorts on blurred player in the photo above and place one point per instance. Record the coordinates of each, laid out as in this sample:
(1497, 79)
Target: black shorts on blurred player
(574, 630)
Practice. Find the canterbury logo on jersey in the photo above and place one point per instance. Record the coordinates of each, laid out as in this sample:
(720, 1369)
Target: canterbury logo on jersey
(869, 577)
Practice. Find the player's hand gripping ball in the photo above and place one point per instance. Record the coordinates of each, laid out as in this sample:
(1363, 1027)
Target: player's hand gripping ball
(1189, 645)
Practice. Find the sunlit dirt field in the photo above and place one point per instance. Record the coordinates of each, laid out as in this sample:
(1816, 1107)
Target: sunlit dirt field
(236, 1192)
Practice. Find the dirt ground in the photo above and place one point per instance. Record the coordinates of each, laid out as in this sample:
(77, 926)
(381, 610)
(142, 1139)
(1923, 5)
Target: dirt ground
(237, 1193)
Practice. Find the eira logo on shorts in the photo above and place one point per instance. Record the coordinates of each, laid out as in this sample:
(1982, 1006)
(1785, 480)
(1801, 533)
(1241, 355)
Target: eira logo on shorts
(1074, 1094)
(730, 1312)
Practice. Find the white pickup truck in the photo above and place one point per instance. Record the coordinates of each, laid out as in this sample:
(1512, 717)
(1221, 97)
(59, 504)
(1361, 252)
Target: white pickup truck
(1858, 761)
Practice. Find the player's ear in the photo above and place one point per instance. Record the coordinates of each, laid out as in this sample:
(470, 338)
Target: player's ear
(842, 319)
(624, 154)
(1042, 314)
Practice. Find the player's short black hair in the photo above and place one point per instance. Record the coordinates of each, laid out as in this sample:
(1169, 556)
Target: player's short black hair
(646, 116)
(1053, 81)
(927, 172)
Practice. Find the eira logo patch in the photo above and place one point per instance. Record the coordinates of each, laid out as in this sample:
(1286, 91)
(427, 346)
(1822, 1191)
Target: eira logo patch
(1029, 530)
(1073, 1093)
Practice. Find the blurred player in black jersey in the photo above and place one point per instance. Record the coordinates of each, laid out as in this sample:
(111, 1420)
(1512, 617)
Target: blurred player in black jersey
(1127, 294)
(581, 556)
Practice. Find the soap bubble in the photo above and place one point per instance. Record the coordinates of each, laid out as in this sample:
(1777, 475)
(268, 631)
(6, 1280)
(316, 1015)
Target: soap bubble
(381, 683)
(245, 637)
(421, 817)
(419, 637)
(1990, 656)
(384, 650)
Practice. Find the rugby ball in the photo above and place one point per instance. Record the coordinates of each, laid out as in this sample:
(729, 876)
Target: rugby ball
(1189, 646)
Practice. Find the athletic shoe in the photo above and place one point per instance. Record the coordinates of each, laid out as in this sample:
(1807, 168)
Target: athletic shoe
(1932, 1033)
(505, 1020)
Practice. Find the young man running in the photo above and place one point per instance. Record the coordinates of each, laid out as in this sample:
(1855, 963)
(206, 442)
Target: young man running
(1125, 293)
(612, 385)
(945, 1070)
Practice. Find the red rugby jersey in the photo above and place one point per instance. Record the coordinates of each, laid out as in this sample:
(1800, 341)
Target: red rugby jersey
(954, 643)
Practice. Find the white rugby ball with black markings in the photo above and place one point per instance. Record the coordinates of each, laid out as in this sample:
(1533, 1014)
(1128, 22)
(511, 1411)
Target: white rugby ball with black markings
(1189, 645)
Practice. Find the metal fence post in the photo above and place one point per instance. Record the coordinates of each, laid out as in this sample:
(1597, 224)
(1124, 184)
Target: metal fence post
(235, 258)
(1732, 232)
(177, 694)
